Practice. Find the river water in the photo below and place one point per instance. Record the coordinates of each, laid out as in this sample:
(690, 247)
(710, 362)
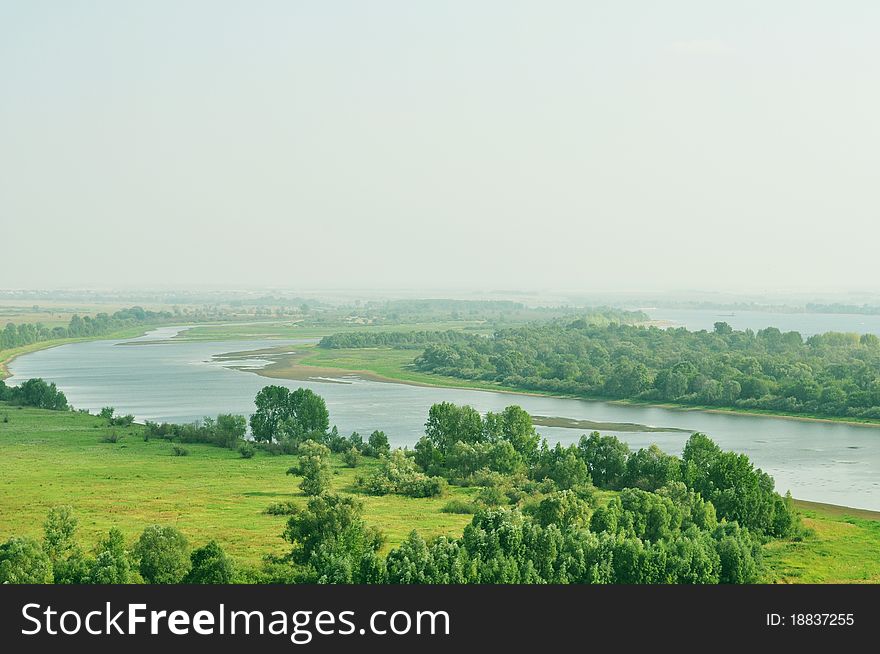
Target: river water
(178, 381)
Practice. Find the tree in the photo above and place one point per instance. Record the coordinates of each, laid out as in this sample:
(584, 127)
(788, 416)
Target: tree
(605, 457)
(163, 555)
(651, 468)
(272, 408)
(332, 543)
(59, 532)
(111, 565)
(23, 561)
(562, 508)
(410, 563)
(230, 430)
(448, 423)
(378, 444)
(295, 416)
(314, 466)
(210, 565)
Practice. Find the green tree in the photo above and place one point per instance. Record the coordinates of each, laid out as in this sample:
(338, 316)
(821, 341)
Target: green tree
(163, 555)
(332, 543)
(605, 457)
(314, 466)
(23, 561)
(111, 564)
(210, 565)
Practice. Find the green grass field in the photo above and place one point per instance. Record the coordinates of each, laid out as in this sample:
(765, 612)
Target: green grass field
(52, 458)
(295, 329)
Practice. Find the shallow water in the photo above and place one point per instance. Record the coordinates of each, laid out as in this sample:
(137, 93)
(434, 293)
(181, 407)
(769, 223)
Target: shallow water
(807, 324)
(178, 381)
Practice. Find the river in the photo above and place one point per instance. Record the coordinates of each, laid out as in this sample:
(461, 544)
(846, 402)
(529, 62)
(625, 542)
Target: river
(807, 324)
(178, 381)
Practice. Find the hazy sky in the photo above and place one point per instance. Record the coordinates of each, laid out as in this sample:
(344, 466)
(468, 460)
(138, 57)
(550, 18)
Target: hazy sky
(544, 144)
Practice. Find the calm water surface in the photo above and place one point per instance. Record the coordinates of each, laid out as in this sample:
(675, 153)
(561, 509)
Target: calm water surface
(178, 382)
(805, 323)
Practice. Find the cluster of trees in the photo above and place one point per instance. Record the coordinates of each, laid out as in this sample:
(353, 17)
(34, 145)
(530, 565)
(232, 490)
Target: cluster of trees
(831, 374)
(639, 538)
(398, 474)
(503, 451)
(103, 323)
(496, 312)
(34, 392)
(538, 518)
(161, 555)
(289, 416)
(226, 430)
(397, 339)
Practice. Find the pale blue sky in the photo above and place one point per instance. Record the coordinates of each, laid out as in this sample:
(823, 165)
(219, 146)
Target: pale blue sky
(579, 145)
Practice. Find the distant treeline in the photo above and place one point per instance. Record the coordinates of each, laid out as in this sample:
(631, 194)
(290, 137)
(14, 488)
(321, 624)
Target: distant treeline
(403, 340)
(99, 325)
(490, 311)
(833, 374)
(34, 392)
(865, 309)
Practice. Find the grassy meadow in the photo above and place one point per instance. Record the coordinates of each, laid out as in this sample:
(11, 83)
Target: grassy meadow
(52, 458)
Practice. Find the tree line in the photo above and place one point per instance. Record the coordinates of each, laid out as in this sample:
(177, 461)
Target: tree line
(832, 374)
(27, 333)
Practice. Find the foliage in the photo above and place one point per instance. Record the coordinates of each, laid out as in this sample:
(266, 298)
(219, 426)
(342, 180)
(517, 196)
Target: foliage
(210, 565)
(35, 392)
(399, 474)
(314, 467)
(162, 554)
(23, 561)
(331, 542)
(285, 415)
(829, 374)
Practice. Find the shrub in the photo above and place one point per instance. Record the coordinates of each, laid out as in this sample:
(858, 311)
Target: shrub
(246, 450)
(179, 450)
(459, 506)
(377, 445)
(281, 508)
(352, 457)
(163, 555)
(210, 565)
(399, 474)
(112, 438)
(314, 466)
(23, 561)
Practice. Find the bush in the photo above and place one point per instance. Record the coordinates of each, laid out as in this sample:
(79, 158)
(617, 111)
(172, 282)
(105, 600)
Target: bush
(23, 561)
(399, 474)
(163, 555)
(281, 508)
(377, 445)
(5, 417)
(210, 565)
(246, 450)
(112, 438)
(314, 466)
(352, 457)
(459, 506)
(178, 450)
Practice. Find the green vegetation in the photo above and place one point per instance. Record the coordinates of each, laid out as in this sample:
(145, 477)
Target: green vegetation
(54, 458)
(481, 499)
(830, 375)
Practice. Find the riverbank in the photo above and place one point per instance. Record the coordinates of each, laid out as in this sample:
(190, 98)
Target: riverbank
(7, 356)
(395, 366)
